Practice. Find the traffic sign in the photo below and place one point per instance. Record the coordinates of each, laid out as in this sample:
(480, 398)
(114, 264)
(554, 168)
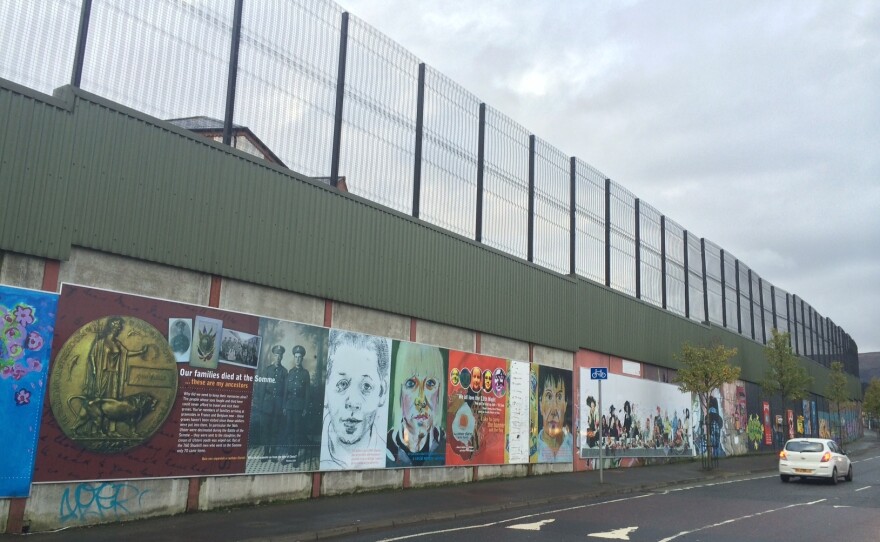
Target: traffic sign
(598, 373)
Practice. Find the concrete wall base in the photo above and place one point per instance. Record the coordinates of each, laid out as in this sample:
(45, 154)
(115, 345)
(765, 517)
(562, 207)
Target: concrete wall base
(225, 491)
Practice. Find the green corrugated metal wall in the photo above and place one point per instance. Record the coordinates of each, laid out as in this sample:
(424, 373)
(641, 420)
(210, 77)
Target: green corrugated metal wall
(95, 174)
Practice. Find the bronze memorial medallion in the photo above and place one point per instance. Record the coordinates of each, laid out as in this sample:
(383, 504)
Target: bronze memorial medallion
(113, 384)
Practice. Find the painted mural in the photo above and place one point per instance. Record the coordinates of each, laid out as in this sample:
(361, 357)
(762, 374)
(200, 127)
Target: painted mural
(638, 417)
(27, 318)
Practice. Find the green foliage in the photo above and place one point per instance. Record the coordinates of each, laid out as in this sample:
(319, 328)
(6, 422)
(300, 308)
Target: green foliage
(871, 402)
(836, 391)
(785, 375)
(704, 370)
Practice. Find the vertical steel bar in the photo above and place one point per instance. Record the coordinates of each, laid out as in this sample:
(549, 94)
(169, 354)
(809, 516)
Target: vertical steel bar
(82, 36)
(739, 321)
(340, 94)
(723, 291)
(638, 250)
(572, 217)
(705, 281)
(481, 166)
(420, 126)
(751, 304)
(663, 260)
(531, 225)
(608, 232)
(687, 277)
(763, 318)
(232, 75)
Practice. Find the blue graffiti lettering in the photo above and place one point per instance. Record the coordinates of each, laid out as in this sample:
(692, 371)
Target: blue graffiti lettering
(98, 500)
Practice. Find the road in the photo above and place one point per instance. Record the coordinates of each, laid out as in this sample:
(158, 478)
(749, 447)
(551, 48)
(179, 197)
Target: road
(749, 508)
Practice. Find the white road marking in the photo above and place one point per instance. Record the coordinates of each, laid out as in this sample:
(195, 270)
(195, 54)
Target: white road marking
(531, 526)
(732, 520)
(527, 516)
(863, 488)
(841, 506)
(616, 534)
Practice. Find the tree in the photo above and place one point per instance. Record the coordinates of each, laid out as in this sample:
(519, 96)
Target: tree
(704, 370)
(837, 392)
(871, 401)
(785, 375)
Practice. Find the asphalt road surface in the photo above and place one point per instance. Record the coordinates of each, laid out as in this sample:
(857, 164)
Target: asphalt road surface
(755, 508)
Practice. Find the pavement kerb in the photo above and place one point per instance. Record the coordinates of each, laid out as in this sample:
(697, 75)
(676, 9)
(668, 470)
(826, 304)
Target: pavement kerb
(471, 512)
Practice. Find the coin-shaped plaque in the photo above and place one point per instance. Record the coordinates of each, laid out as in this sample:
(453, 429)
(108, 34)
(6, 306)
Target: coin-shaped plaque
(113, 384)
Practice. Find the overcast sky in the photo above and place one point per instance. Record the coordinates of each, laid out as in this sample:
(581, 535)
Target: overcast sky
(753, 124)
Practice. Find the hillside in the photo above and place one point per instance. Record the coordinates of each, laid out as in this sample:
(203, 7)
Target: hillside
(869, 366)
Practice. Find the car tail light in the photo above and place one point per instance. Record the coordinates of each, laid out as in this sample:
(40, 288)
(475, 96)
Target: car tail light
(783, 455)
(826, 457)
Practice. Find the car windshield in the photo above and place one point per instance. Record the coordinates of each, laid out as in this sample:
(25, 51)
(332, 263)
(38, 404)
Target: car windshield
(801, 446)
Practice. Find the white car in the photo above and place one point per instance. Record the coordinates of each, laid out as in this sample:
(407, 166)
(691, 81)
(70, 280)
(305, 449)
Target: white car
(814, 458)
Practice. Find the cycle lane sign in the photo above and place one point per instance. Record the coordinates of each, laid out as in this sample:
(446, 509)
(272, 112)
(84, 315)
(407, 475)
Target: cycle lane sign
(598, 373)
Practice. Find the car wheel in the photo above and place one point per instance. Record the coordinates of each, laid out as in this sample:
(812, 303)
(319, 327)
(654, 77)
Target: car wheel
(785, 478)
(834, 476)
(849, 474)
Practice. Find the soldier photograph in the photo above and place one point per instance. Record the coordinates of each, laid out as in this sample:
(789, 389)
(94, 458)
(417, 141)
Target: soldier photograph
(267, 417)
(296, 407)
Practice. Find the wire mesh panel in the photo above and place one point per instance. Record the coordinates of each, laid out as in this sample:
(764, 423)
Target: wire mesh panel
(713, 282)
(650, 237)
(809, 350)
(757, 315)
(590, 222)
(768, 310)
(449, 155)
(552, 208)
(782, 321)
(38, 42)
(506, 185)
(166, 58)
(731, 298)
(803, 339)
(695, 278)
(675, 267)
(286, 85)
(794, 323)
(745, 301)
(623, 240)
(379, 118)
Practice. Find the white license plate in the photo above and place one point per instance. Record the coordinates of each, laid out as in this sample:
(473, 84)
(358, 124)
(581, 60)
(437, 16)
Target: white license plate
(803, 471)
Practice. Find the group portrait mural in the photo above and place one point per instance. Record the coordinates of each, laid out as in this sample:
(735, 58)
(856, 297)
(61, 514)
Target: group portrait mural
(104, 385)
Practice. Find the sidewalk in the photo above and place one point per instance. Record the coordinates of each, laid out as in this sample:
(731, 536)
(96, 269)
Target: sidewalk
(332, 516)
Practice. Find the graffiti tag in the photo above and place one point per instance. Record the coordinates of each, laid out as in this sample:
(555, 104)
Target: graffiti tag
(99, 500)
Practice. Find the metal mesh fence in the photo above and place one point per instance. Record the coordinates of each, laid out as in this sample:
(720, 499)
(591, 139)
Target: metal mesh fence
(675, 270)
(590, 222)
(38, 42)
(552, 207)
(651, 270)
(623, 239)
(286, 89)
(506, 178)
(713, 283)
(379, 118)
(449, 159)
(172, 59)
(695, 278)
(167, 58)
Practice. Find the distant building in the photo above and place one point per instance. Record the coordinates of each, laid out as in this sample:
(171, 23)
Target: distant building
(243, 139)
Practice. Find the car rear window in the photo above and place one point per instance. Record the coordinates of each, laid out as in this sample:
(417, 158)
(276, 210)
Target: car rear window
(804, 446)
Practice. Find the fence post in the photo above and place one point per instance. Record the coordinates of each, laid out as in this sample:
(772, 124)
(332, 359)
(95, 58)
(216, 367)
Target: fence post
(773, 308)
(739, 323)
(763, 317)
(481, 164)
(531, 227)
(723, 292)
(233, 73)
(420, 120)
(663, 260)
(751, 304)
(638, 236)
(705, 281)
(608, 232)
(794, 317)
(687, 277)
(340, 94)
(572, 222)
(79, 56)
